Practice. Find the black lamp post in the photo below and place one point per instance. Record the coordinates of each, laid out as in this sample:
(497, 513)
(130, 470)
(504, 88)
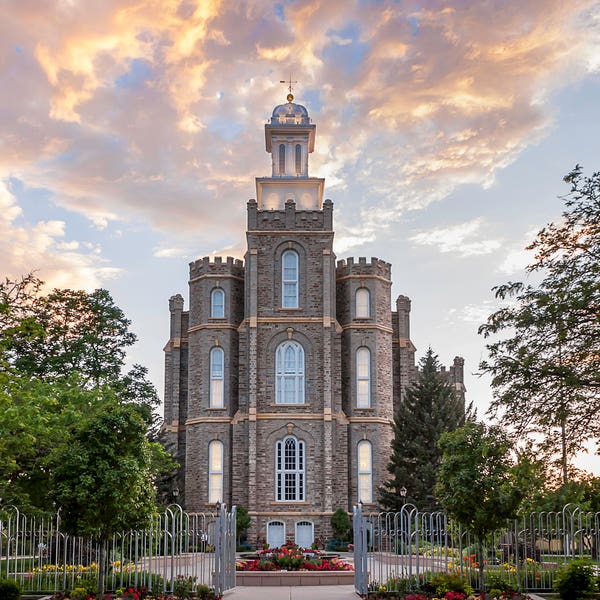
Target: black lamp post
(403, 492)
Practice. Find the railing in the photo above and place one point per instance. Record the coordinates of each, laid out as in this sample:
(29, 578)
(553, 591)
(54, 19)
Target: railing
(42, 558)
(412, 546)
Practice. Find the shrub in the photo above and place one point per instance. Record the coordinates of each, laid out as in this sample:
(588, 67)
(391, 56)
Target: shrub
(442, 583)
(576, 580)
(9, 590)
(340, 523)
(183, 586)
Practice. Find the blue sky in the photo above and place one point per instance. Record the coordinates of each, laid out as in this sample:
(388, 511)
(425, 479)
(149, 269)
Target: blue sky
(132, 133)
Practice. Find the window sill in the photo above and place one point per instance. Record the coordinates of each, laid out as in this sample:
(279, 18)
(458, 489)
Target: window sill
(289, 309)
(216, 408)
(294, 502)
(277, 405)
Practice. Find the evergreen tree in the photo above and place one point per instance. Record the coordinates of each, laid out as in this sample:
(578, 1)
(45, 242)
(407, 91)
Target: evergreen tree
(430, 408)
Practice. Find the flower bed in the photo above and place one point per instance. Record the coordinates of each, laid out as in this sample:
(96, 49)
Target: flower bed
(290, 557)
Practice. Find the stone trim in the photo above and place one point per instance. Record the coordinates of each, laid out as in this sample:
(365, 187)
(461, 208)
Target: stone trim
(365, 276)
(370, 420)
(367, 326)
(212, 326)
(215, 276)
(312, 232)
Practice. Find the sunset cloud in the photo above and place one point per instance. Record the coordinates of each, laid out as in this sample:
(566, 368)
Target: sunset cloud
(151, 112)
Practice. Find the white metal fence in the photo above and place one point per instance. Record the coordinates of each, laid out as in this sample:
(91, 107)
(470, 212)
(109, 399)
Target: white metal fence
(199, 548)
(412, 545)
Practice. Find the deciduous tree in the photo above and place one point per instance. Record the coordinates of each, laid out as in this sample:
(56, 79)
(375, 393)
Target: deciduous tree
(479, 483)
(545, 372)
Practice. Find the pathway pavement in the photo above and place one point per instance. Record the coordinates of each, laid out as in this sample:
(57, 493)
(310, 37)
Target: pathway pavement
(301, 592)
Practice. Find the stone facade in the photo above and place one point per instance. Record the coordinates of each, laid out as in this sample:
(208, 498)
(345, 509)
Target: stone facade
(282, 378)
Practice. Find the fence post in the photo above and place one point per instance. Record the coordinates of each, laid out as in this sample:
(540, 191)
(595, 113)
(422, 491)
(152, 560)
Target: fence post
(361, 574)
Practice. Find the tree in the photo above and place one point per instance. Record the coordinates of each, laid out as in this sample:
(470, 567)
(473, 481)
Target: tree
(478, 483)
(102, 475)
(545, 373)
(340, 523)
(59, 356)
(242, 522)
(430, 408)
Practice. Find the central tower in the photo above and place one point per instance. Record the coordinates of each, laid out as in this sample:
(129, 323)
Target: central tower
(290, 344)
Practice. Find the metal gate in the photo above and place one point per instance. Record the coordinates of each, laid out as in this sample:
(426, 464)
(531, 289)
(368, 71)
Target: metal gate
(225, 544)
(196, 547)
(406, 548)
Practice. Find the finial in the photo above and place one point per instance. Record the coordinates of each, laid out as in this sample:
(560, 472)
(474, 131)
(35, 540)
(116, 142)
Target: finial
(289, 83)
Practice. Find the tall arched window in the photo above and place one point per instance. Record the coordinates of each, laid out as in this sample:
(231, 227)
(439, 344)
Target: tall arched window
(363, 377)
(215, 472)
(282, 159)
(289, 465)
(289, 372)
(289, 279)
(365, 472)
(217, 303)
(217, 371)
(363, 303)
(298, 159)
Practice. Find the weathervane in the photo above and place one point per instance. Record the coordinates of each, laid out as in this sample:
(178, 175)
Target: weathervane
(289, 83)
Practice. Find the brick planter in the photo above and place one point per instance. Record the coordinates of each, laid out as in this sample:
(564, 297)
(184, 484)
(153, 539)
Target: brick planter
(293, 578)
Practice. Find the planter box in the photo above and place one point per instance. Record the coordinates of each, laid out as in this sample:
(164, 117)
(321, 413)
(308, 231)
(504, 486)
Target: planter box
(293, 578)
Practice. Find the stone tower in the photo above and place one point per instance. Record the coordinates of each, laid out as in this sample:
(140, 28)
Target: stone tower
(282, 378)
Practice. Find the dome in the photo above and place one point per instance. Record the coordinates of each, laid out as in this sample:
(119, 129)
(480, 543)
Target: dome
(290, 114)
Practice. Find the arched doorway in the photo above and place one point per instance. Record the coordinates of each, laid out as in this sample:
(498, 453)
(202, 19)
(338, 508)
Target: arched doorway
(275, 534)
(305, 534)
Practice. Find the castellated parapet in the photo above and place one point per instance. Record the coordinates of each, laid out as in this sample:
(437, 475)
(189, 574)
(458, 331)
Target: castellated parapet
(217, 266)
(291, 218)
(375, 267)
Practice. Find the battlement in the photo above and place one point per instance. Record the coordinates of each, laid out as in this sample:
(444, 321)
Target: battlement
(374, 267)
(217, 266)
(290, 218)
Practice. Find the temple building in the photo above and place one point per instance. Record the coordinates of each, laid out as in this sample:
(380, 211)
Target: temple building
(283, 374)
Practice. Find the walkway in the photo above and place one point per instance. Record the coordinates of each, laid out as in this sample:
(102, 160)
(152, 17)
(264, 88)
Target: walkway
(302, 592)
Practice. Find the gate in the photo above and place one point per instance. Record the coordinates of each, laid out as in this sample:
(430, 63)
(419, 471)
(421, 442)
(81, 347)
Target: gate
(225, 544)
(399, 551)
(198, 547)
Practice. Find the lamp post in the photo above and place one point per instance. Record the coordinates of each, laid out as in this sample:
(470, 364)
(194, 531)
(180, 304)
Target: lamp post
(403, 492)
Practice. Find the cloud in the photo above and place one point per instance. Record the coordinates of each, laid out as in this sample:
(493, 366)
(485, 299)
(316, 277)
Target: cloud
(129, 111)
(473, 313)
(42, 247)
(457, 238)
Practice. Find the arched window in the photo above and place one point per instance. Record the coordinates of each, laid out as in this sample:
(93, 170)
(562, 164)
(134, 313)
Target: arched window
(217, 303)
(289, 279)
(282, 159)
(365, 472)
(363, 303)
(215, 472)
(289, 372)
(363, 377)
(217, 360)
(289, 464)
(298, 159)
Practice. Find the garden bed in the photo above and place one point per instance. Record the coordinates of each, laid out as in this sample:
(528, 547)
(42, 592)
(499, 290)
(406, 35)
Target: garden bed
(293, 578)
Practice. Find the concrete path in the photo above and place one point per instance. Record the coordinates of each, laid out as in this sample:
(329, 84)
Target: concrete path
(301, 592)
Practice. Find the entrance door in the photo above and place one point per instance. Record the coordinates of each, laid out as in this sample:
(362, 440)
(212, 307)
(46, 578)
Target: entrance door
(275, 534)
(304, 534)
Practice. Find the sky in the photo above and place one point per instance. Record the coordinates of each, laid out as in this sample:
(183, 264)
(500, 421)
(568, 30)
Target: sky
(131, 132)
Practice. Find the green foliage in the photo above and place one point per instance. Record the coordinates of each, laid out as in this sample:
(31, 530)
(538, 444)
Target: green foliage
(478, 483)
(576, 580)
(183, 586)
(430, 408)
(440, 583)
(60, 355)
(9, 590)
(340, 522)
(545, 372)
(242, 522)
